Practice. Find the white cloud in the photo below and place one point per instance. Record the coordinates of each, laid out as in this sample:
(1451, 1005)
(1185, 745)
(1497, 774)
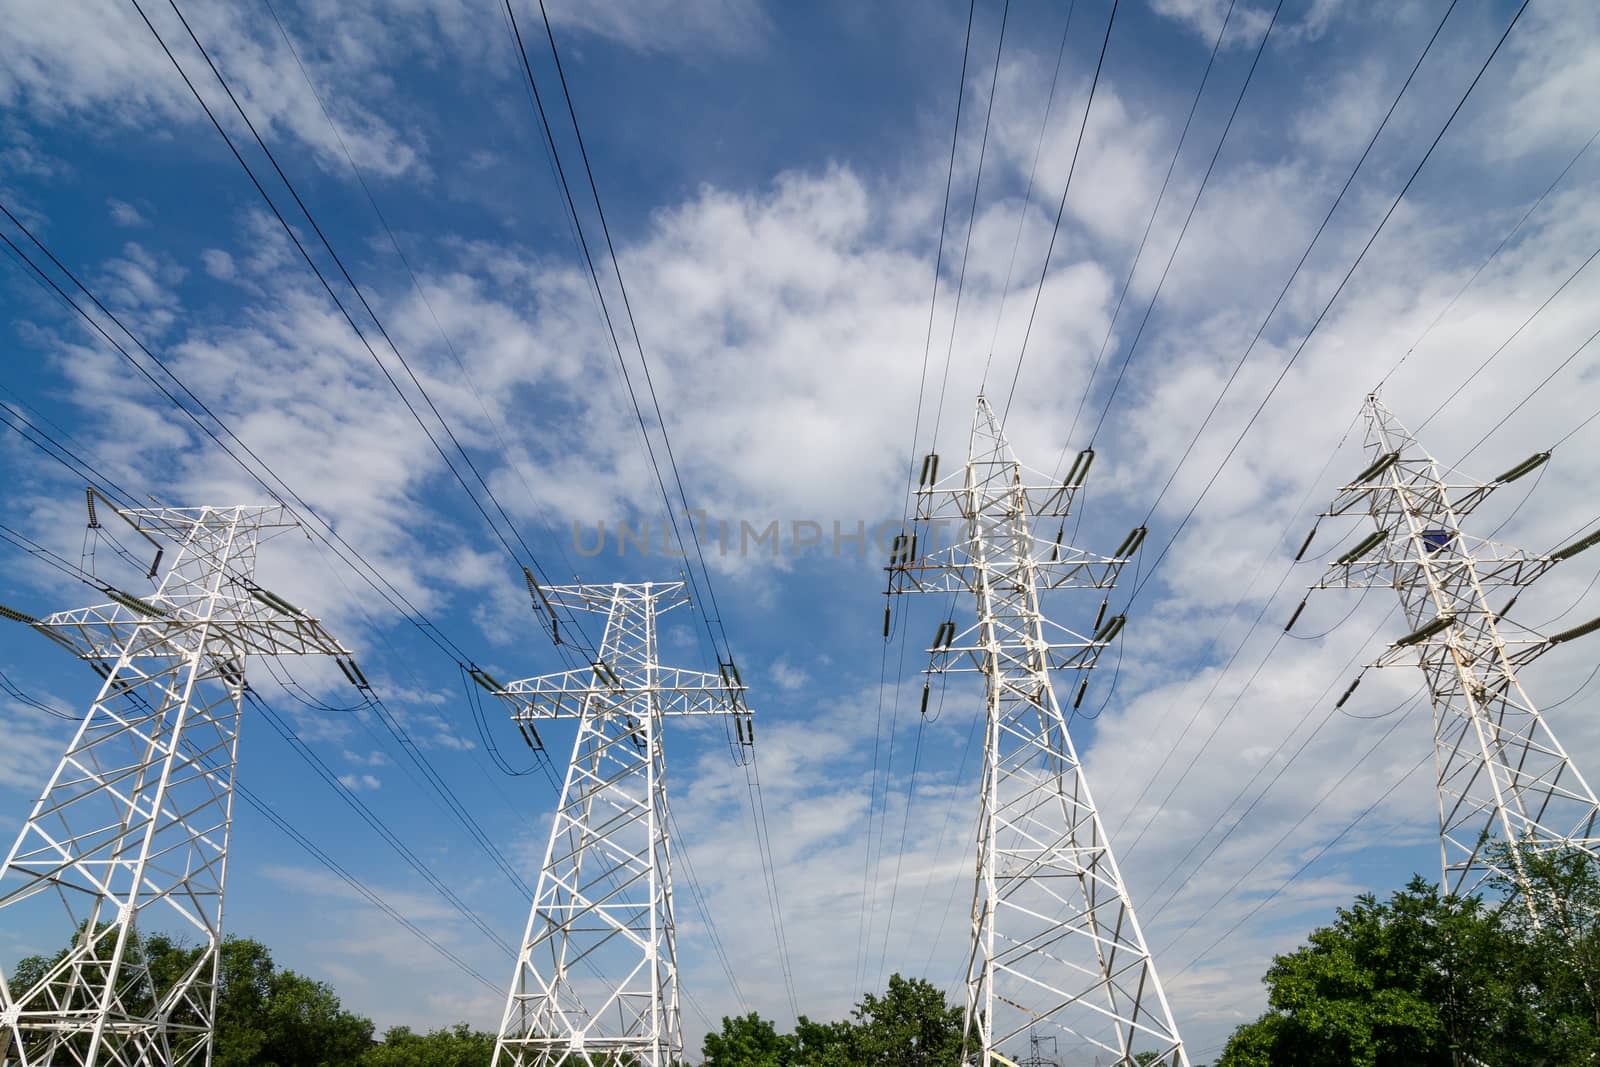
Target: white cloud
(218, 264)
(125, 214)
(785, 328)
(359, 781)
(99, 61)
(695, 27)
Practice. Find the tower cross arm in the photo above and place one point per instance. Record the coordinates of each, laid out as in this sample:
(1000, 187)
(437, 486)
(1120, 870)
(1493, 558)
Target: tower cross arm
(960, 501)
(957, 568)
(1395, 554)
(1054, 648)
(676, 692)
(147, 628)
(1357, 497)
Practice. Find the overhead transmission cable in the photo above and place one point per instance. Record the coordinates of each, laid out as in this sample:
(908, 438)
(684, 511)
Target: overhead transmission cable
(905, 629)
(1323, 313)
(494, 421)
(868, 898)
(710, 609)
(528, 558)
(385, 589)
(1399, 711)
(1027, 195)
(1323, 851)
(1061, 208)
(1482, 266)
(1526, 215)
(1166, 181)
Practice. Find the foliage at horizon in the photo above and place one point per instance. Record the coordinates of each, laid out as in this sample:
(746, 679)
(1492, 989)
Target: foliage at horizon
(1430, 980)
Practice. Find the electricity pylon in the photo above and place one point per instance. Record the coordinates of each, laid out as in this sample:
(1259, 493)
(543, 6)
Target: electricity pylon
(1055, 943)
(1505, 783)
(131, 834)
(1036, 1056)
(604, 898)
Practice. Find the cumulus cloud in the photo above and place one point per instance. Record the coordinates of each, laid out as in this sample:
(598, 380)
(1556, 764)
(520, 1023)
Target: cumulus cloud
(785, 323)
(661, 26)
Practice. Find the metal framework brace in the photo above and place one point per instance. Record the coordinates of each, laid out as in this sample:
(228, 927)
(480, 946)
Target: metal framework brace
(131, 833)
(1505, 784)
(604, 898)
(1055, 942)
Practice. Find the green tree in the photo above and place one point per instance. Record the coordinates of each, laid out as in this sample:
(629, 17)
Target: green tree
(265, 1017)
(1560, 957)
(747, 1041)
(1425, 980)
(911, 1025)
(1408, 981)
(455, 1046)
(823, 1044)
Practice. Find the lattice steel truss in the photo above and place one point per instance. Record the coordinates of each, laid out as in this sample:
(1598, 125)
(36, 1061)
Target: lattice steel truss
(131, 833)
(604, 898)
(1503, 778)
(1055, 942)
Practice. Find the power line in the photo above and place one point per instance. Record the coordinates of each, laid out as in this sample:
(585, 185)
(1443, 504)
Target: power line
(1321, 315)
(763, 840)
(1340, 836)
(1240, 880)
(972, 219)
(1061, 208)
(365, 891)
(416, 283)
(1492, 356)
(1027, 192)
(865, 920)
(1288, 283)
(427, 628)
(1526, 215)
(1161, 196)
(531, 559)
(894, 715)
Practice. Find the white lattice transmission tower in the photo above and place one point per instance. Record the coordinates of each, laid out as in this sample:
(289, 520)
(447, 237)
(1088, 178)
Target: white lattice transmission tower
(1056, 946)
(130, 835)
(1505, 784)
(596, 981)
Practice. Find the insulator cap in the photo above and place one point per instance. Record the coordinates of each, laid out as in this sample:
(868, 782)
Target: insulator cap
(1527, 466)
(1381, 464)
(1577, 631)
(1371, 541)
(1422, 633)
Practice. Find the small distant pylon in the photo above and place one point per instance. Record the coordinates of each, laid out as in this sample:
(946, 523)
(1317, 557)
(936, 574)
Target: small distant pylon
(1036, 1056)
(1055, 942)
(604, 898)
(1505, 784)
(131, 834)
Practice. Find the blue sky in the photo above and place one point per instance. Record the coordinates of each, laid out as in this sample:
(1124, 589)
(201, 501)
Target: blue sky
(773, 177)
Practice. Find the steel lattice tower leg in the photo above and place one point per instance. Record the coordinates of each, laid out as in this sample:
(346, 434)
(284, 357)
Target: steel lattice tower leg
(1505, 784)
(1055, 942)
(131, 833)
(604, 896)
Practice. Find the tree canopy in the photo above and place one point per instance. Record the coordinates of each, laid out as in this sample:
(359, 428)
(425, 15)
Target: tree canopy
(910, 1025)
(1425, 979)
(269, 1017)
